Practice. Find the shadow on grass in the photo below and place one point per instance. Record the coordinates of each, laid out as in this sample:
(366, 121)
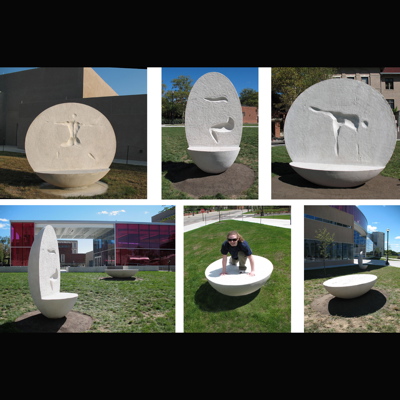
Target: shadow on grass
(208, 299)
(367, 304)
(180, 171)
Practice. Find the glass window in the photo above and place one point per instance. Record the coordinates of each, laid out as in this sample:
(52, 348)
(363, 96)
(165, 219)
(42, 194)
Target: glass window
(389, 83)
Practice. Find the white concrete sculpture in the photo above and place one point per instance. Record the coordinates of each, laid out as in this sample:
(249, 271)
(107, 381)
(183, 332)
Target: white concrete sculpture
(236, 283)
(44, 276)
(71, 145)
(340, 133)
(213, 123)
(124, 272)
(361, 261)
(350, 286)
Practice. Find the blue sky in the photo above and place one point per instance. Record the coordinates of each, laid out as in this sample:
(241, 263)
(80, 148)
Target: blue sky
(138, 213)
(241, 78)
(381, 218)
(125, 81)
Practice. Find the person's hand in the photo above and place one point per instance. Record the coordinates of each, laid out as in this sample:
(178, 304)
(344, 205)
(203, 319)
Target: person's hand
(252, 273)
(223, 273)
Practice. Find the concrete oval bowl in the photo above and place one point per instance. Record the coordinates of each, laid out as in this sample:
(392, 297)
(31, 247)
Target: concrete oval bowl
(350, 286)
(121, 273)
(236, 284)
(73, 178)
(213, 160)
(333, 175)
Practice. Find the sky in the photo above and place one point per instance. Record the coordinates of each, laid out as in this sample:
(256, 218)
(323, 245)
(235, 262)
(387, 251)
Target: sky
(381, 218)
(241, 78)
(125, 81)
(138, 213)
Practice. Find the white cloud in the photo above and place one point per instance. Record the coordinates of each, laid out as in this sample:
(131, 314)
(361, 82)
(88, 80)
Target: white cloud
(371, 228)
(4, 219)
(397, 237)
(4, 226)
(111, 212)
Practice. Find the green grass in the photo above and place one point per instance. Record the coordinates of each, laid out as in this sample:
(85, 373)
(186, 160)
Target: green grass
(18, 181)
(280, 162)
(266, 310)
(146, 304)
(174, 146)
(384, 318)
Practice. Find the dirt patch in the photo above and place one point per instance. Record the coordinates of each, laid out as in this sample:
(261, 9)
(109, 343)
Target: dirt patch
(36, 322)
(293, 186)
(192, 180)
(370, 302)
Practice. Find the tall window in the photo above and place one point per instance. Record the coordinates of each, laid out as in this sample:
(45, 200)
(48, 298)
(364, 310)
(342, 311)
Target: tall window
(389, 83)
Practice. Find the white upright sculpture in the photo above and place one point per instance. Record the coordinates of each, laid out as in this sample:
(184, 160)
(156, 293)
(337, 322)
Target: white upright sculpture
(44, 276)
(340, 133)
(71, 145)
(213, 123)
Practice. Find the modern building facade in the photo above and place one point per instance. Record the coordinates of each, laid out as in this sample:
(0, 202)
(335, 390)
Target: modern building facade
(24, 95)
(114, 243)
(348, 225)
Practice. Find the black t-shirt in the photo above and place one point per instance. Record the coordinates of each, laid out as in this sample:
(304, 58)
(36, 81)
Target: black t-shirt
(233, 250)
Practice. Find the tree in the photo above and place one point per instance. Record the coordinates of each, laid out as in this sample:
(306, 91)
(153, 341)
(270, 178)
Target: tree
(288, 82)
(174, 101)
(325, 241)
(4, 249)
(249, 97)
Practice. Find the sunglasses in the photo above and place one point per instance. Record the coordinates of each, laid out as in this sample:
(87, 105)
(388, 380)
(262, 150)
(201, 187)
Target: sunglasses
(232, 240)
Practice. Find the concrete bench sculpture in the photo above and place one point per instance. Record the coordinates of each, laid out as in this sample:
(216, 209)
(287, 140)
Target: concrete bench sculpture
(350, 286)
(70, 146)
(44, 276)
(340, 133)
(124, 272)
(213, 123)
(236, 283)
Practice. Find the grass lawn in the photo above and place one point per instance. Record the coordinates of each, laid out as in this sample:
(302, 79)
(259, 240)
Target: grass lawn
(384, 316)
(18, 181)
(266, 310)
(280, 162)
(174, 146)
(146, 304)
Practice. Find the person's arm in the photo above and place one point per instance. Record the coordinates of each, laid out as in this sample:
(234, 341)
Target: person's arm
(224, 261)
(251, 258)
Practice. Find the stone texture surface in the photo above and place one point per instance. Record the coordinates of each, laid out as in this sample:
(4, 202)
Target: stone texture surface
(70, 137)
(213, 116)
(44, 276)
(350, 286)
(340, 121)
(235, 284)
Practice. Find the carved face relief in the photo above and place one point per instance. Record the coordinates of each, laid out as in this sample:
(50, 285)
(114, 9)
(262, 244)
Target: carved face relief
(213, 116)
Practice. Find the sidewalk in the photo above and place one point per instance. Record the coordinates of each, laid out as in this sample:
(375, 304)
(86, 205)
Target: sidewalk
(281, 223)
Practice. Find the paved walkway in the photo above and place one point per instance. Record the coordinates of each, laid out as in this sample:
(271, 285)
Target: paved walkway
(392, 262)
(199, 220)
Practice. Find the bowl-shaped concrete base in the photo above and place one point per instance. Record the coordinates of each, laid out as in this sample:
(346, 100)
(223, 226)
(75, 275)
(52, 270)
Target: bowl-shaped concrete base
(235, 283)
(336, 175)
(121, 272)
(213, 160)
(350, 286)
(57, 305)
(73, 178)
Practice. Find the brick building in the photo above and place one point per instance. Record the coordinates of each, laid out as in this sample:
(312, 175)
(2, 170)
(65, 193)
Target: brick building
(250, 115)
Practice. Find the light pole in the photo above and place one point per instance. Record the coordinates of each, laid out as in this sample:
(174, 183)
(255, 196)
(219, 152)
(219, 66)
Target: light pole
(387, 247)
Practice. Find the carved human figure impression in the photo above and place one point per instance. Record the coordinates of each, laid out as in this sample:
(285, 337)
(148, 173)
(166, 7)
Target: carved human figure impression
(213, 116)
